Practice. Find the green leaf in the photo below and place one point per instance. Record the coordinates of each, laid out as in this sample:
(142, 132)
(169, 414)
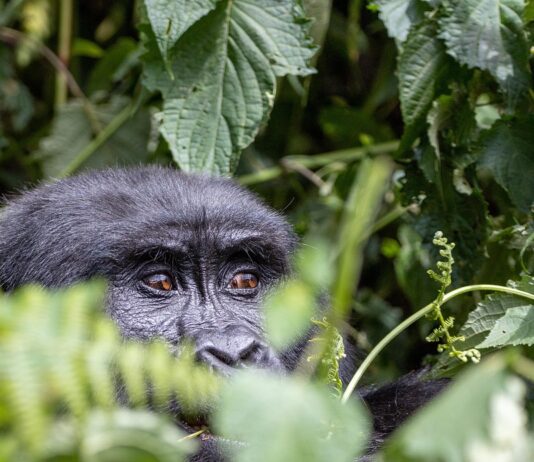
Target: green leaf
(61, 357)
(132, 435)
(289, 419)
(516, 327)
(488, 34)
(410, 268)
(108, 70)
(83, 47)
(171, 18)
(482, 320)
(528, 13)
(463, 219)
(346, 126)
(399, 16)
(314, 264)
(421, 64)
(508, 319)
(506, 150)
(479, 415)
(288, 312)
(226, 66)
(15, 98)
(71, 132)
(452, 124)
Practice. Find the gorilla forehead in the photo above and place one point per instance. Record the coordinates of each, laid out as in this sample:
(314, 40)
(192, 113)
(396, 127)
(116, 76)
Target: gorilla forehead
(97, 216)
(157, 206)
(165, 195)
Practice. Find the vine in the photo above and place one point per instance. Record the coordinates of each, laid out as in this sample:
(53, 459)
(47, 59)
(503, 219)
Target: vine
(442, 333)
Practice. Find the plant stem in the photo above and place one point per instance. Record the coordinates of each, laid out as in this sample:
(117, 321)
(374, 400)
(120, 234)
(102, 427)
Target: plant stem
(416, 316)
(193, 435)
(9, 11)
(524, 367)
(12, 37)
(99, 140)
(360, 211)
(64, 38)
(388, 218)
(318, 160)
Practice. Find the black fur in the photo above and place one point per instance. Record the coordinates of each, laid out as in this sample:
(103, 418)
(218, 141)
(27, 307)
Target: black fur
(128, 224)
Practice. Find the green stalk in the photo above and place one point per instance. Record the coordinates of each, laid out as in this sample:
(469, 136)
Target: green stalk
(318, 160)
(361, 209)
(13, 37)
(388, 218)
(99, 140)
(416, 316)
(64, 37)
(524, 366)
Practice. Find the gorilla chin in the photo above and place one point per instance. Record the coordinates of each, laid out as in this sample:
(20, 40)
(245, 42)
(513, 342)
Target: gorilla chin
(186, 257)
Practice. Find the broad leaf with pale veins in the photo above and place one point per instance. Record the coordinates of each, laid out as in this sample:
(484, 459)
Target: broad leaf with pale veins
(399, 16)
(71, 133)
(225, 68)
(488, 34)
(171, 18)
(478, 415)
(506, 150)
(289, 419)
(421, 65)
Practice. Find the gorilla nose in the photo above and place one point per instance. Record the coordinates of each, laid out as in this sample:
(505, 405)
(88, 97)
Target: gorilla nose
(226, 352)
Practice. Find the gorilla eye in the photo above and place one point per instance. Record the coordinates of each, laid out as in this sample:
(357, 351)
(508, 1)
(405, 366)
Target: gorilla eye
(160, 281)
(243, 281)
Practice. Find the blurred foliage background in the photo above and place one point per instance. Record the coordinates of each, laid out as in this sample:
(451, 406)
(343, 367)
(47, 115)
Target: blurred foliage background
(72, 97)
(417, 118)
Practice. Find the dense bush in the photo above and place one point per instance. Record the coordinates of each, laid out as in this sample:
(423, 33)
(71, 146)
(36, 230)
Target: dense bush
(385, 130)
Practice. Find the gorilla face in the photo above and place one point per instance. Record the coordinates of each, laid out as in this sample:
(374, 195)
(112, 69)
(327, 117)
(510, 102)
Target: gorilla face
(186, 257)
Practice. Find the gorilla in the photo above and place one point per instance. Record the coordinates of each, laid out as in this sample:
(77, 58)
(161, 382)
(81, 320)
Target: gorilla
(185, 256)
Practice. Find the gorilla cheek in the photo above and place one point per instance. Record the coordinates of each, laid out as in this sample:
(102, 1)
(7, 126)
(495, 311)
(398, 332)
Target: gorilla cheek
(140, 317)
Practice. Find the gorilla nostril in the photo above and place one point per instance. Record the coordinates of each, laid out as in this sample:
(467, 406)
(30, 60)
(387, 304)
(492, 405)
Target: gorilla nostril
(226, 353)
(252, 354)
(213, 354)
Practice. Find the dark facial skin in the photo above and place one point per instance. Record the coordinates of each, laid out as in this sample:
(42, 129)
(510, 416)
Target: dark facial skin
(186, 257)
(206, 287)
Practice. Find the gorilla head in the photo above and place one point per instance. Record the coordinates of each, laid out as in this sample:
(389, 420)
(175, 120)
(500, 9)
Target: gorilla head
(185, 256)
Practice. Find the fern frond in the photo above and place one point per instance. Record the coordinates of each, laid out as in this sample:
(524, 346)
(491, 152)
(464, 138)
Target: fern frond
(444, 277)
(59, 354)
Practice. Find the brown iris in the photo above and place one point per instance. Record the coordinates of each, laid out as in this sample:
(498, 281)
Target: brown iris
(159, 281)
(244, 281)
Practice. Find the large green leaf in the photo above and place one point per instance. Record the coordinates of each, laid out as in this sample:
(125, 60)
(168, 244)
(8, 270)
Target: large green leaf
(516, 327)
(421, 64)
(111, 68)
(225, 69)
(288, 312)
(479, 418)
(289, 419)
(133, 436)
(507, 151)
(483, 320)
(488, 34)
(171, 18)
(71, 132)
(461, 217)
(399, 15)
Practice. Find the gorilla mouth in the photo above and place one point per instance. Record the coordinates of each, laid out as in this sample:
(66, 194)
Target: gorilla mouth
(204, 433)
